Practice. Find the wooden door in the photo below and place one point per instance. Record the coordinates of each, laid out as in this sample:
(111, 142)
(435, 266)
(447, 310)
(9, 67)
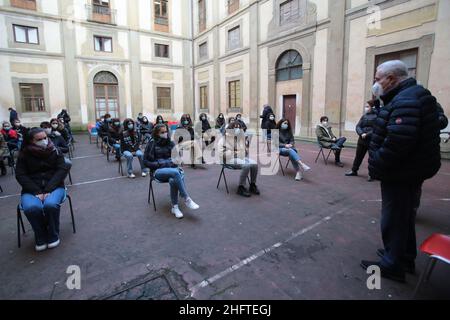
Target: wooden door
(290, 109)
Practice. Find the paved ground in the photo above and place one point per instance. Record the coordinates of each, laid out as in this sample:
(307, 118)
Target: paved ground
(298, 240)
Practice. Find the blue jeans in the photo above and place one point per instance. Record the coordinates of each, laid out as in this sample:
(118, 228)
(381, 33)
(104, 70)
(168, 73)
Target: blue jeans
(175, 177)
(129, 156)
(44, 216)
(116, 147)
(293, 156)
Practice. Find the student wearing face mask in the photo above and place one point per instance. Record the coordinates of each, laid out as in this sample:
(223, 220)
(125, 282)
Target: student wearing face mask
(21, 131)
(10, 135)
(364, 129)
(57, 140)
(145, 129)
(269, 125)
(327, 139)
(227, 125)
(220, 121)
(114, 134)
(184, 136)
(158, 157)
(41, 171)
(203, 132)
(59, 129)
(287, 148)
(233, 152)
(241, 122)
(103, 128)
(4, 152)
(129, 144)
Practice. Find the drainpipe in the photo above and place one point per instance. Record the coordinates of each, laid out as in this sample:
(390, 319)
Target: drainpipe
(193, 62)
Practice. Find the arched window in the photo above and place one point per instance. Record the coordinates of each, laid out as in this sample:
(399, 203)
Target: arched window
(106, 91)
(289, 66)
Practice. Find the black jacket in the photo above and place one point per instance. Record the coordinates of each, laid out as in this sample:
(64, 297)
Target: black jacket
(59, 143)
(13, 116)
(129, 142)
(405, 145)
(286, 137)
(265, 115)
(37, 175)
(65, 116)
(158, 154)
(443, 120)
(365, 125)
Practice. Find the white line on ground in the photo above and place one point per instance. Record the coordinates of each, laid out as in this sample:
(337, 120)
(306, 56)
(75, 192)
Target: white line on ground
(85, 157)
(194, 289)
(73, 185)
(379, 200)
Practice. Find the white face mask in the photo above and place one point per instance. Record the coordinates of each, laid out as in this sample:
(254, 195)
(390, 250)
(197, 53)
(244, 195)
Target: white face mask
(164, 135)
(367, 110)
(325, 123)
(377, 90)
(55, 126)
(48, 131)
(237, 131)
(42, 143)
(272, 118)
(131, 126)
(203, 118)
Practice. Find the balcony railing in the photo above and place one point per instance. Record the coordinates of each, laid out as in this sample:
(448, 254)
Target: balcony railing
(101, 14)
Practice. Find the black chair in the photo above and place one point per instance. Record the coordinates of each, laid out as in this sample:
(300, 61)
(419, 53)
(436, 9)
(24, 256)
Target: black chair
(222, 173)
(11, 160)
(1, 189)
(281, 165)
(321, 152)
(151, 194)
(20, 220)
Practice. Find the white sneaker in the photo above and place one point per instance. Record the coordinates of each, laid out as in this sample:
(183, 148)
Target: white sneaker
(299, 176)
(176, 211)
(131, 176)
(54, 244)
(191, 204)
(144, 174)
(41, 248)
(305, 167)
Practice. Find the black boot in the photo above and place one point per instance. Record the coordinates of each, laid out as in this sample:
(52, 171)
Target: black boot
(352, 174)
(254, 189)
(243, 192)
(393, 274)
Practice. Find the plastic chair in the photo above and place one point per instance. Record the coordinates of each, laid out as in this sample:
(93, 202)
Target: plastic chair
(20, 220)
(438, 248)
(93, 134)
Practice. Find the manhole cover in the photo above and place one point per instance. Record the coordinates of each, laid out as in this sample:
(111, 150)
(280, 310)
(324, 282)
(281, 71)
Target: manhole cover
(160, 286)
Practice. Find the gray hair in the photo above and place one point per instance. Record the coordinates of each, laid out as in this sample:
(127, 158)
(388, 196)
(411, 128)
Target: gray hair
(395, 67)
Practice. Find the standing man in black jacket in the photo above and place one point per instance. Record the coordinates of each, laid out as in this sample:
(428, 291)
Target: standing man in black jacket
(364, 129)
(404, 152)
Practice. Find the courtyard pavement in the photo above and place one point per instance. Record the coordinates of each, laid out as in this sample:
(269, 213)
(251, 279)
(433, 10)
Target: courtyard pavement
(298, 240)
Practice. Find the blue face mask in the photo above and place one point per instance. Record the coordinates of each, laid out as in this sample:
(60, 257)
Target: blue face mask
(284, 126)
(185, 122)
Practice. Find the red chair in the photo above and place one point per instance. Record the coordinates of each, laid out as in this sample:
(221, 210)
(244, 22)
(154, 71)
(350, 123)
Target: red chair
(438, 248)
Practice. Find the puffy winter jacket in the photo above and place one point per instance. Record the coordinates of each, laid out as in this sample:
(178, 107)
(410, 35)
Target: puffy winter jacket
(405, 145)
(158, 154)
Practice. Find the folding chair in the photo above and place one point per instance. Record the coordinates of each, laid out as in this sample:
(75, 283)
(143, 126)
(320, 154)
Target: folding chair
(20, 220)
(438, 248)
(222, 173)
(151, 194)
(325, 159)
(281, 165)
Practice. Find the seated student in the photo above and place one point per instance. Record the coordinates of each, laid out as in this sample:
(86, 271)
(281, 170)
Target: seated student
(287, 147)
(10, 135)
(269, 125)
(220, 121)
(129, 146)
(327, 139)
(58, 126)
(158, 157)
(114, 134)
(4, 152)
(139, 119)
(233, 152)
(231, 120)
(190, 145)
(207, 136)
(104, 126)
(364, 129)
(145, 129)
(64, 117)
(41, 171)
(241, 122)
(56, 138)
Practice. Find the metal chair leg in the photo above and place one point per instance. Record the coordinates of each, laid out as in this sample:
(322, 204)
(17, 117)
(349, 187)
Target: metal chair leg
(281, 165)
(149, 190)
(1, 189)
(328, 157)
(71, 214)
(220, 177)
(424, 274)
(433, 264)
(153, 197)
(18, 228)
(70, 178)
(226, 184)
(318, 155)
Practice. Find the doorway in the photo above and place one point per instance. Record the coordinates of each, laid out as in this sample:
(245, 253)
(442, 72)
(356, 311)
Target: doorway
(290, 109)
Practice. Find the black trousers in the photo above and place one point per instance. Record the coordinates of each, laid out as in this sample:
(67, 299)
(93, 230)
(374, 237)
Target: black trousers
(400, 202)
(361, 150)
(339, 143)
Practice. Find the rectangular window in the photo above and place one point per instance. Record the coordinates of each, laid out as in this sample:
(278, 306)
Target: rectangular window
(202, 15)
(32, 97)
(24, 4)
(161, 12)
(24, 34)
(203, 50)
(204, 97)
(103, 3)
(103, 44)
(289, 11)
(161, 50)
(234, 94)
(233, 5)
(234, 38)
(164, 98)
(409, 57)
